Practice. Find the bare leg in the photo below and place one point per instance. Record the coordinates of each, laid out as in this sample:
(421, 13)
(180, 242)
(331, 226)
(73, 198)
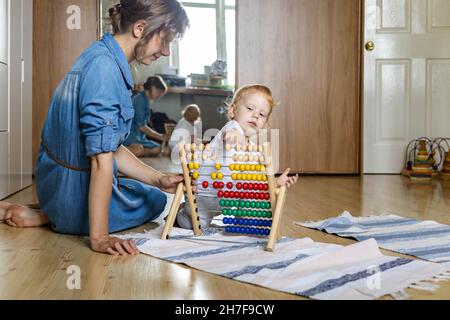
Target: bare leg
(19, 216)
(3, 206)
(136, 149)
(153, 152)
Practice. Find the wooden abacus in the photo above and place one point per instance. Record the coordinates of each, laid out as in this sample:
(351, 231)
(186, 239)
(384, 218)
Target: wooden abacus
(249, 222)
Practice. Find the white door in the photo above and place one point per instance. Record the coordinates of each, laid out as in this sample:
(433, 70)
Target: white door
(407, 78)
(4, 31)
(4, 109)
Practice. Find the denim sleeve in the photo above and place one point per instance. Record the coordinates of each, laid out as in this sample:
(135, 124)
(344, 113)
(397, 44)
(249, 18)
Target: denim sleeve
(100, 89)
(141, 111)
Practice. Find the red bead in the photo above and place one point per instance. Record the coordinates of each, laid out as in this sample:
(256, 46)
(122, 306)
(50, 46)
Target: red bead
(220, 194)
(230, 185)
(252, 195)
(247, 195)
(245, 186)
(239, 186)
(241, 195)
(221, 185)
(216, 185)
(226, 194)
(252, 186)
(266, 187)
(266, 196)
(260, 187)
(205, 184)
(261, 196)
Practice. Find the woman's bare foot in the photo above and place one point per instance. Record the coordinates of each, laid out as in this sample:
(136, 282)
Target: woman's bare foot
(19, 216)
(3, 206)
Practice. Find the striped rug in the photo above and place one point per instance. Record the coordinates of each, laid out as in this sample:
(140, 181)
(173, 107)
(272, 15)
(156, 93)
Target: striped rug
(298, 266)
(427, 240)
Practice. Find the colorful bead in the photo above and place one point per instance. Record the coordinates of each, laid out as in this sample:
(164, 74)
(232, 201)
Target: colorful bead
(214, 175)
(234, 176)
(196, 165)
(205, 184)
(230, 185)
(218, 166)
(232, 167)
(191, 166)
(195, 175)
(220, 176)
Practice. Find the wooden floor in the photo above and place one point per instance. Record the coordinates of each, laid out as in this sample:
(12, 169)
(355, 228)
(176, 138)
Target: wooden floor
(33, 262)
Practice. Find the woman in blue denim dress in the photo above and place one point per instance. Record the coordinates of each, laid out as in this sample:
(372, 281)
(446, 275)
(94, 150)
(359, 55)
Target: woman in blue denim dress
(88, 120)
(141, 139)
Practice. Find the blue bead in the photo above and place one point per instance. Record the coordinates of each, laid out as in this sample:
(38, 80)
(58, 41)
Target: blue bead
(245, 222)
(235, 221)
(247, 230)
(225, 220)
(267, 232)
(269, 223)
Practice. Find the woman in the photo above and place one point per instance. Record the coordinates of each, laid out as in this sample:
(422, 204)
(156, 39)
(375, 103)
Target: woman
(89, 118)
(138, 142)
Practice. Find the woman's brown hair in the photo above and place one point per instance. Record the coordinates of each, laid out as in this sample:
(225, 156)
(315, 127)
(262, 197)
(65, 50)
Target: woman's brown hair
(159, 15)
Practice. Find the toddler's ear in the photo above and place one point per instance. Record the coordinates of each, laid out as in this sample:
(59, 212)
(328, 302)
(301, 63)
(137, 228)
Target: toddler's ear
(231, 111)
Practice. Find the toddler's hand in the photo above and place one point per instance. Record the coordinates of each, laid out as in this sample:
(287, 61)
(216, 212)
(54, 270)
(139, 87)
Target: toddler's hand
(114, 246)
(285, 181)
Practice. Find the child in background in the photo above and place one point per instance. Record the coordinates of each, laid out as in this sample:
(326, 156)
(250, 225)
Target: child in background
(188, 129)
(249, 112)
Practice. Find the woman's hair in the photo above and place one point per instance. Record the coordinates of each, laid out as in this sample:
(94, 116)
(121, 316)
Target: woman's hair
(159, 15)
(253, 88)
(155, 82)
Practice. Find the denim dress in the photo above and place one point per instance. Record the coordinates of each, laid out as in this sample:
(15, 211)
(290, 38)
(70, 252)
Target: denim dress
(142, 114)
(91, 113)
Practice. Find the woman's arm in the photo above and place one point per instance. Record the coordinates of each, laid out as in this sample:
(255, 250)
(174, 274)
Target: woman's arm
(99, 201)
(152, 134)
(135, 169)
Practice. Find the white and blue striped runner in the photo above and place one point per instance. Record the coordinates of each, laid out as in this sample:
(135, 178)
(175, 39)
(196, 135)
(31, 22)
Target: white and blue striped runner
(298, 266)
(427, 240)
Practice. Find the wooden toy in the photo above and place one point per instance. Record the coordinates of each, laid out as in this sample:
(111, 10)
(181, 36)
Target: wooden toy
(247, 194)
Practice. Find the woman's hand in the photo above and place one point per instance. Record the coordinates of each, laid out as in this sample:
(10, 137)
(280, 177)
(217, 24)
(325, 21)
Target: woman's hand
(169, 182)
(114, 246)
(285, 181)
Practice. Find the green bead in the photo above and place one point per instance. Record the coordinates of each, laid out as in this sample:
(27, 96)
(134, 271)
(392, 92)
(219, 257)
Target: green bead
(264, 214)
(253, 205)
(235, 213)
(244, 213)
(269, 214)
(258, 205)
(263, 205)
(258, 214)
(239, 213)
(225, 212)
(242, 204)
(226, 203)
(247, 204)
(268, 206)
(254, 213)
(221, 203)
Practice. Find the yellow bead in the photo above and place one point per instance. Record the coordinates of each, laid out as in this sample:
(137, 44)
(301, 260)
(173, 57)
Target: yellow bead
(264, 177)
(191, 166)
(234, 176)
(239, 176)
(195, 175)
(196, 166)
(252, 167)
(193, 147)
(205, 157)
(201, 147)
(263, 168)
(232, 167)
(208, 147)
(218, 166)
(247, 167)
(220, 176)
(244, 177)
(242, 167)
(236, 158)
(214, 176)
(241, 158)
(261, 159)
(258, 177)
(258, 167)
(254, 177)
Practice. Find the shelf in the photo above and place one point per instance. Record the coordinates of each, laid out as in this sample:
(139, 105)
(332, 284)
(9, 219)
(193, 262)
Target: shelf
(201, 91)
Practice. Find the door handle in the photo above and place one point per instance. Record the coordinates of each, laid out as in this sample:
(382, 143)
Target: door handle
(370, 46)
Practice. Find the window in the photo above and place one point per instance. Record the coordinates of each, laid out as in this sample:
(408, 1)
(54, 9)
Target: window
(210, 37)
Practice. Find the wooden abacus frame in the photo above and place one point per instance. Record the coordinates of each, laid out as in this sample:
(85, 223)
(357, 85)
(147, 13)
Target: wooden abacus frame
(277, 199)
